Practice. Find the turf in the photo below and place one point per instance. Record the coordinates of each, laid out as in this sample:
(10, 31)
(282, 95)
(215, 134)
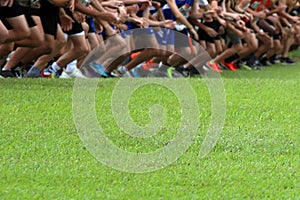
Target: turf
(256, 156)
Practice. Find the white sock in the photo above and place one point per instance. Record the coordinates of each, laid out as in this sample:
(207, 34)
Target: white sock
(55, 67)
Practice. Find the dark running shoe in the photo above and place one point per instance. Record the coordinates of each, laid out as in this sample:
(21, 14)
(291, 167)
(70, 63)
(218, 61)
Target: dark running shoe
(264, 61)
(287, 61)
(33, 72)
(7, 74)
(19, 71)
(274, 60)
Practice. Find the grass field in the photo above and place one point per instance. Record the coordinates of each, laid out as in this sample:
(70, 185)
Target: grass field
(257, 155)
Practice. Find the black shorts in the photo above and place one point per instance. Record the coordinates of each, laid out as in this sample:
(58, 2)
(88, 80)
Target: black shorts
(49, 15)
(267, 26)
(76, 27)
(277, 36)
(204, 36)
(35, 12)
(27, 13)
(9, 12)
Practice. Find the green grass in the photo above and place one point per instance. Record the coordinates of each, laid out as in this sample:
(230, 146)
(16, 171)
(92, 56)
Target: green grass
(257, 155)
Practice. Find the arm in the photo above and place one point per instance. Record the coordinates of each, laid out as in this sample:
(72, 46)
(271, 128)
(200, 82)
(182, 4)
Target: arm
(181, 18)
(196, 11)
(97, 5)
(165, 23)
(65, 20)
(130, 2)
(99, 15)
(241, 5)
(211, 32)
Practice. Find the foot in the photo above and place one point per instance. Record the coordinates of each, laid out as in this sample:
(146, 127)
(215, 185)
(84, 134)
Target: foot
(264, 61)
(33, 72)
(49, 72)
(231, 66)
(99, 69)
(7, 74)
(74, 74)
(287, 61)
(214, 66)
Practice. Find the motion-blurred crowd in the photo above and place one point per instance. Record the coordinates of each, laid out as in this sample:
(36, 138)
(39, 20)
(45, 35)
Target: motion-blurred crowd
(53, 38)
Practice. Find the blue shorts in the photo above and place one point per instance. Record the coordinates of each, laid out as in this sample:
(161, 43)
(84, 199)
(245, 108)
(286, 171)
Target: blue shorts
(164, 36)
(173, 38)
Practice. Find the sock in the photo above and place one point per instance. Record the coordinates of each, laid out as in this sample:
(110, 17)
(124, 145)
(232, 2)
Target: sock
(55, 67)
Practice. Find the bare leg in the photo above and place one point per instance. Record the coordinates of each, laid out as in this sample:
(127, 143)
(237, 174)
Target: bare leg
(36, 39)
(3, 33)
(55, 46)
(20, 28)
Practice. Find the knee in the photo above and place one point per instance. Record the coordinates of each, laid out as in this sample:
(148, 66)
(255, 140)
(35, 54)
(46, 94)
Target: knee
(238, 47)
(219, 51)
(22, 35)
(37, 40)
(3, 37)
(83, 50)
(278, 47)
(254, 46)
(212, 52)
(60, 43)
(47, 47)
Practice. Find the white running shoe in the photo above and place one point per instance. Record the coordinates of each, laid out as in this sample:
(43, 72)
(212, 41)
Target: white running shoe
(64, 75)
(74, 74)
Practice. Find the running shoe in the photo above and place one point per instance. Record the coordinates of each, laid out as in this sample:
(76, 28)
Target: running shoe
(19, 71)
(122, 71)
(100, 69)
(33, 72)
(74, 74)
(287, 61)
(7, 74)
(264, 61)
(245, 66)
(49, 72)
(231, 66)
(65, 75)
(214, 66)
